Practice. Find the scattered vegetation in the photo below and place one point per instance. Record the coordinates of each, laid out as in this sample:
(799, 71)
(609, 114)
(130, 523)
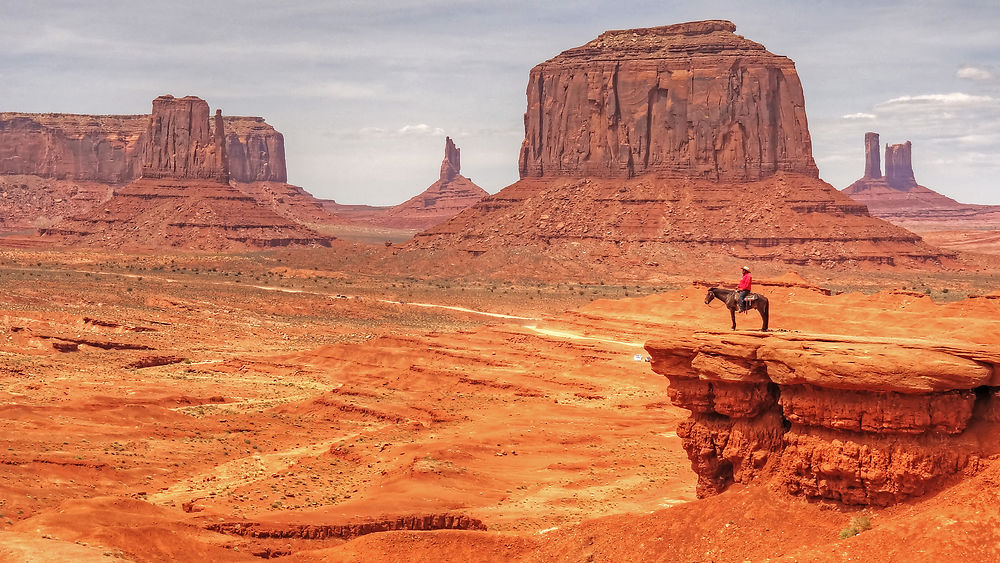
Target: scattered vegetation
(858, 524)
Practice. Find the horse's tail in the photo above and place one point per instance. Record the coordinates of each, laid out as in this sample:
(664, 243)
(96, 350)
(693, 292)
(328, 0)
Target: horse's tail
(765, 313)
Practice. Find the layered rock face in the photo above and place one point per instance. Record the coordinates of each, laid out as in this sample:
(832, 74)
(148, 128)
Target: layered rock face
(898, 198)
(256, 151)
(181, 144)
(859, 421)
(109, 148)
(183, 198)
(691, 100)
(101, 148)
(661, 147)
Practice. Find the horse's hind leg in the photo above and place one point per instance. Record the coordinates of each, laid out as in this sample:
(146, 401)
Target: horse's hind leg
(732, 313)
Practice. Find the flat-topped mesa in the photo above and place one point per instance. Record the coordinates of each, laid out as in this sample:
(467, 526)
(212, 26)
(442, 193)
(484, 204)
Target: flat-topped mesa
(451, 166)
(181, 143)
(899, 167)
(691, 100)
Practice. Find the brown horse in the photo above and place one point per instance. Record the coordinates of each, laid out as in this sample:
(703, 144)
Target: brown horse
(728, 296)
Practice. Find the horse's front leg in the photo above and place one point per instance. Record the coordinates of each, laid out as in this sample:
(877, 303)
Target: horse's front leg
(732, 313)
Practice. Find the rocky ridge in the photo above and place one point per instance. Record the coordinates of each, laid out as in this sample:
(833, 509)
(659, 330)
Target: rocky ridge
(56, 165)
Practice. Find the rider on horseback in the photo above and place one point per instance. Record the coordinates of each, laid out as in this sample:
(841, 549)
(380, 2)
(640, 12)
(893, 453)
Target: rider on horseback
(743, 289)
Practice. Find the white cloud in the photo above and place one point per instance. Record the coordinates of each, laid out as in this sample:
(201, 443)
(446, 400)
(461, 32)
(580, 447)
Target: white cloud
(417, 130)
(972, 73)
(420, 129)
(951, 99)
(860, 115)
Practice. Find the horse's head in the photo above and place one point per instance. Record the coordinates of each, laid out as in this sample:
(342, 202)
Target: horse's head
(709, 296)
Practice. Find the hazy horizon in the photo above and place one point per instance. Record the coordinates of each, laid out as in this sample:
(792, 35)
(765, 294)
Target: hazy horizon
(365, 92)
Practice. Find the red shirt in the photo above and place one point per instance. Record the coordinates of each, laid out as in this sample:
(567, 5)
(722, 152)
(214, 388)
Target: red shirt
(745, 282)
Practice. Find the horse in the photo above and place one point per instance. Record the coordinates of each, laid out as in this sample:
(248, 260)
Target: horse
(728, 296)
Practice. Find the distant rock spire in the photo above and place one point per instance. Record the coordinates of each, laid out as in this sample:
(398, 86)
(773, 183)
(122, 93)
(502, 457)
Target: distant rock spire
(899, 166)
(451, 166)
(873, 156)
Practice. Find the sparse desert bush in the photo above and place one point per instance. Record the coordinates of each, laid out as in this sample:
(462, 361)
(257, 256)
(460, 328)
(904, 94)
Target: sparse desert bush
(858, 524)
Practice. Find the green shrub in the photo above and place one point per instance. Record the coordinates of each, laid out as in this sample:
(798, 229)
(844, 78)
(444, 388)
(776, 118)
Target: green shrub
(858, 524)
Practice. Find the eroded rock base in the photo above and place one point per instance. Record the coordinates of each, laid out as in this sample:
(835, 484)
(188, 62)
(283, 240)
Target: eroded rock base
(863, 422)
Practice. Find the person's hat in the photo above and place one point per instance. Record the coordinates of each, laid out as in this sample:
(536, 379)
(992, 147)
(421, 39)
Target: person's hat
(746, 268)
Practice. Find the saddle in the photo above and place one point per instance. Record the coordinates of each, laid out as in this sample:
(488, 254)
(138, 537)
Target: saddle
(747, 302)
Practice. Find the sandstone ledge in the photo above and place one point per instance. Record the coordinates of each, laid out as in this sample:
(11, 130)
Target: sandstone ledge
(856, 420)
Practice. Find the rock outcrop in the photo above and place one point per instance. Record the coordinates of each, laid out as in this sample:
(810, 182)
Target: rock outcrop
(183, 198)
(691, 100)
(667, 146)
(856, 420)
(873, 156)
(180, 142)
(899, 199)
(109, 148)
(256, 151)
(442, 200)
(899, 166)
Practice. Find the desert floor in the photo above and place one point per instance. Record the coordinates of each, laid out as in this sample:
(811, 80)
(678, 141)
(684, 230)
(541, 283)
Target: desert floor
(230, 407)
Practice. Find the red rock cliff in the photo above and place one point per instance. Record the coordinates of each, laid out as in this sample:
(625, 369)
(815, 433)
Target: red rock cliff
(102, 148)
(856, 420)
(713, 129)
(256, 151)
(108, 148)
(181, 143)
(691, 100)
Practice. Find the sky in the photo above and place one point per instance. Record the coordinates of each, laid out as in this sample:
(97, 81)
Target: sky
(366, 91)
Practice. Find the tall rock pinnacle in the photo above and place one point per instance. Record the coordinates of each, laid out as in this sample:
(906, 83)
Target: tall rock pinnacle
(873, 156)
(181, 143)
(899, 166)
(451, 166)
